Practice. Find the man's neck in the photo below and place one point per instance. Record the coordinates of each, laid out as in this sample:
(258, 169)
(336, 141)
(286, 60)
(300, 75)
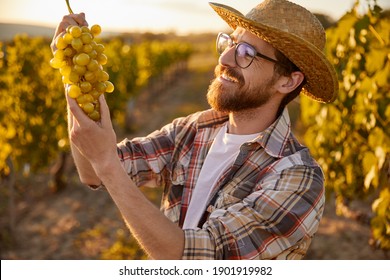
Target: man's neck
(251, 121)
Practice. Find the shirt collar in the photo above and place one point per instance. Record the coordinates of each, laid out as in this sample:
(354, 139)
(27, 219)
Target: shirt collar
(211, 118)
(273, 139)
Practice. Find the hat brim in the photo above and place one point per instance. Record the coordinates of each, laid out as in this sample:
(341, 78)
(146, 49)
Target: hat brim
(322, 82)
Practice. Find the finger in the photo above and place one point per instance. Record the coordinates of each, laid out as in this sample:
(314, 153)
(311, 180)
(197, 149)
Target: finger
(79, 116)
(80, 19)
(104, 111)
(67, 20)
(75, 123)
(75, 19)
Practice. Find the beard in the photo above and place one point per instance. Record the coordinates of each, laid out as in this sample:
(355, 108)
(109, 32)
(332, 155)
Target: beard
(238, 96)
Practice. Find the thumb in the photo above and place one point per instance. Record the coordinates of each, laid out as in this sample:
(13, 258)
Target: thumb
(104, 111)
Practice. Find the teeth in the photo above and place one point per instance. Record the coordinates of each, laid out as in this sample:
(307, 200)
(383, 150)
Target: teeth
(224, 76)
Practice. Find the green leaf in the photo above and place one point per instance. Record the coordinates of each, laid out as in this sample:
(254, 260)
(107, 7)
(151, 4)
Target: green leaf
(358, 122)
(363, 23)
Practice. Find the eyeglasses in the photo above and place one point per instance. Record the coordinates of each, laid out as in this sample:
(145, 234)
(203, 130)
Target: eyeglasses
(244, 53)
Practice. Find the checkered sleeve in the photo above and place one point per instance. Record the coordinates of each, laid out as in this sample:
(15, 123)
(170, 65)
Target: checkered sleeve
(276, 221)
(145, 158)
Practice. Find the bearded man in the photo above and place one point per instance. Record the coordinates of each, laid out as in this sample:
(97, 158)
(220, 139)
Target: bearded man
(237, 184)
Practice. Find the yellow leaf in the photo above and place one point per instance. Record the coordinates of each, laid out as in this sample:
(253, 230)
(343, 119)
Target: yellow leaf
(381, 156)
(375, 60)
(369, 177)
(369, 169)
(387, 112)
(376, 138)
(11, 132)
(382, 77)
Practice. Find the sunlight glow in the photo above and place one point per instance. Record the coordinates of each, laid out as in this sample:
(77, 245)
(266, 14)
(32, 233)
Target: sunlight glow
(152, 15)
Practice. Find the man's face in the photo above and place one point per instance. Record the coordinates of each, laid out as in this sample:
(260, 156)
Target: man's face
(235, 89)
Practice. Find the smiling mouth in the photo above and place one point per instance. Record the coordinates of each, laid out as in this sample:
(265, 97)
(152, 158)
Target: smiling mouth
(225, 77)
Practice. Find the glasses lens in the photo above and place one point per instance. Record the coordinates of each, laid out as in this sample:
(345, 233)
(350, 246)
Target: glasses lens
(223, 41)
(244, 55)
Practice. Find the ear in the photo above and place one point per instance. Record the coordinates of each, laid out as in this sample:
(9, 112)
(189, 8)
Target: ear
(287, 84)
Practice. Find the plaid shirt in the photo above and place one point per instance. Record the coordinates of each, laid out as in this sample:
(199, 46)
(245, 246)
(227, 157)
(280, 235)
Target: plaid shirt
(266, 206)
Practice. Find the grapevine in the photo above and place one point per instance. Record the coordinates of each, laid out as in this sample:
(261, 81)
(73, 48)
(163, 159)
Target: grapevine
(80, 60)
(351, 137)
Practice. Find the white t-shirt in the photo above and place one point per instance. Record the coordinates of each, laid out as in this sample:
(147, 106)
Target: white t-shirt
(223, 152)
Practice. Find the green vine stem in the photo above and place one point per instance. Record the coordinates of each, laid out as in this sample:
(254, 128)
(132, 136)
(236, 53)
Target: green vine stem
(69, 8)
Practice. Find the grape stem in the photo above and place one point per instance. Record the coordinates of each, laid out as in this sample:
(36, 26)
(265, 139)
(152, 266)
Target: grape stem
(69, 8)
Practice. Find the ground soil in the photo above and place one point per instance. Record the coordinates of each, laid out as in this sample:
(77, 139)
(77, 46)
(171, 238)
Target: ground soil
(78, 223)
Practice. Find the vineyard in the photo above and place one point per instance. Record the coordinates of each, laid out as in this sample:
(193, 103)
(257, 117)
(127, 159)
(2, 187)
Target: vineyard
(158, 78)
(32, 94)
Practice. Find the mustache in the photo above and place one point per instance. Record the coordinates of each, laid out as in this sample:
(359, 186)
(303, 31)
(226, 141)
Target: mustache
(220, 70)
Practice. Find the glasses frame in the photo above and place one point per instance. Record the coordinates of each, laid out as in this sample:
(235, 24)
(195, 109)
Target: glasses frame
(231, 44)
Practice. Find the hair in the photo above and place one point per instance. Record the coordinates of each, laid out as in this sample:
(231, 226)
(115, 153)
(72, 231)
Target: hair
(286, 68)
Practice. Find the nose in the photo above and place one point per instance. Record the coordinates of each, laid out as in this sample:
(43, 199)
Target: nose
(227, 57)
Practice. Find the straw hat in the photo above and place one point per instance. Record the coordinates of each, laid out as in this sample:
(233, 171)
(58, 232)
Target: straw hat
(296, 33)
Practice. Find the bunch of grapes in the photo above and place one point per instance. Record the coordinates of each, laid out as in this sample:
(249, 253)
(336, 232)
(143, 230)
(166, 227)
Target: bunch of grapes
(80, 60)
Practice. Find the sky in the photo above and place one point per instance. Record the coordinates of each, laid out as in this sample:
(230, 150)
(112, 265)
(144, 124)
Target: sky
(181, 16)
